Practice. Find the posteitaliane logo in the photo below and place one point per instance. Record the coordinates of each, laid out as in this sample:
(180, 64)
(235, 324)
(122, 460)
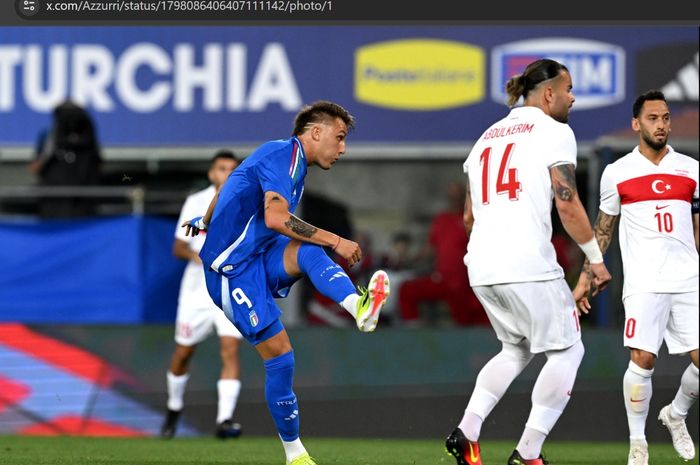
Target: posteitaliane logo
(419, 74)
(597, 68)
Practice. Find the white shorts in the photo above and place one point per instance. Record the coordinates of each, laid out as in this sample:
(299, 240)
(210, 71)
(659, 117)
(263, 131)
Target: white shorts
(192, 326)
(540, 313)
(652, 318)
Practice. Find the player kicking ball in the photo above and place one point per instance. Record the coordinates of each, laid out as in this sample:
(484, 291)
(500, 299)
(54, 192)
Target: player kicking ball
(256, 249)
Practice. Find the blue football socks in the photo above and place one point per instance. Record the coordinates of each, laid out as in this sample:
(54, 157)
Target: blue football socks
(326, 275)
(281, 400)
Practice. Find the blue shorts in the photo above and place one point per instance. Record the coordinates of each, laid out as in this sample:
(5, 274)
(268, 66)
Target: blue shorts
(247, 294)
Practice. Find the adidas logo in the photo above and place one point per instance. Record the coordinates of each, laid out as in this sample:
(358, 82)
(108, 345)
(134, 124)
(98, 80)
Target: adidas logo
(685, 85)
(337, 275)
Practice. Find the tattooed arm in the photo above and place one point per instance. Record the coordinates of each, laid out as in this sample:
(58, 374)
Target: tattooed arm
(603, 230)
(573, 215)
(278, 218)
(575, 221)
(604, 227)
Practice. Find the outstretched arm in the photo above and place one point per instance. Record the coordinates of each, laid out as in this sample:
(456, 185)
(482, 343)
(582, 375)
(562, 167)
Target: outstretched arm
(575, 221)
(278, 218)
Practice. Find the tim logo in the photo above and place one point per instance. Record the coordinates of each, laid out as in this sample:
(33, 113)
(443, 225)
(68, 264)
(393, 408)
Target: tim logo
(597, 68)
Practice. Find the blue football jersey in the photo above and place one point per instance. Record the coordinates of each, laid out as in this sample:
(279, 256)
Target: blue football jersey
(237, 229)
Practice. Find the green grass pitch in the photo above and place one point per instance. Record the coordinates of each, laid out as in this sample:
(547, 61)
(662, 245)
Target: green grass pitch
(26, 450)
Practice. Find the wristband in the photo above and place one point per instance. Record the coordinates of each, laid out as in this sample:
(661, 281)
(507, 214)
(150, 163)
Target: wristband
(592, 251)
(336, 244)
(198, 222)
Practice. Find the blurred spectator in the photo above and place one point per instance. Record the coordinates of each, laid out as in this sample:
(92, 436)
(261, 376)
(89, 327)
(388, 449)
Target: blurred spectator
(67, 154)
(398, 258)
(398, 263)
(448, 282)
(362, 271)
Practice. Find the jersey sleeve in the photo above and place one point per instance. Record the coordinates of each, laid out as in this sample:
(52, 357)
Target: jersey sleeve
(609, 196)
(186, 213)
(273, 173)
(465, 165)
(561, 148)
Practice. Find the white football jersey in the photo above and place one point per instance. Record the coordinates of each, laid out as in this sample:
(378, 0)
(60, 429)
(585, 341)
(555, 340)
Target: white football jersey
(656, 226)
(193, 289)
(511, 194)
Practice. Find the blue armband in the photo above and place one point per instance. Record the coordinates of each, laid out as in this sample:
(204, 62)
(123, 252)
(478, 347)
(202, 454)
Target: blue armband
(695, 206)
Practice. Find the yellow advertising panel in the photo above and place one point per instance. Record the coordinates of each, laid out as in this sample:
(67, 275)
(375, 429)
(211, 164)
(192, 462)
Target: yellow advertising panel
(419, 74)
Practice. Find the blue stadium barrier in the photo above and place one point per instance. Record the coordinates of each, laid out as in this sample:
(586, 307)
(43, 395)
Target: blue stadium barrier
(107, 270)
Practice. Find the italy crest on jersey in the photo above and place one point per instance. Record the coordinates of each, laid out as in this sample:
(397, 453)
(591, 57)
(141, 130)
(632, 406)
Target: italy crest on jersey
(253, 318)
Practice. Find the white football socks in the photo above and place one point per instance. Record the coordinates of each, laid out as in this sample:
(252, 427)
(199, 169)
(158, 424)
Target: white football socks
(684, 397)
(491, 384)
(228, 390)
(350, 304)
(550, 395)
(293, 449)
(530, 444)
(636, 387)
(176, 390)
